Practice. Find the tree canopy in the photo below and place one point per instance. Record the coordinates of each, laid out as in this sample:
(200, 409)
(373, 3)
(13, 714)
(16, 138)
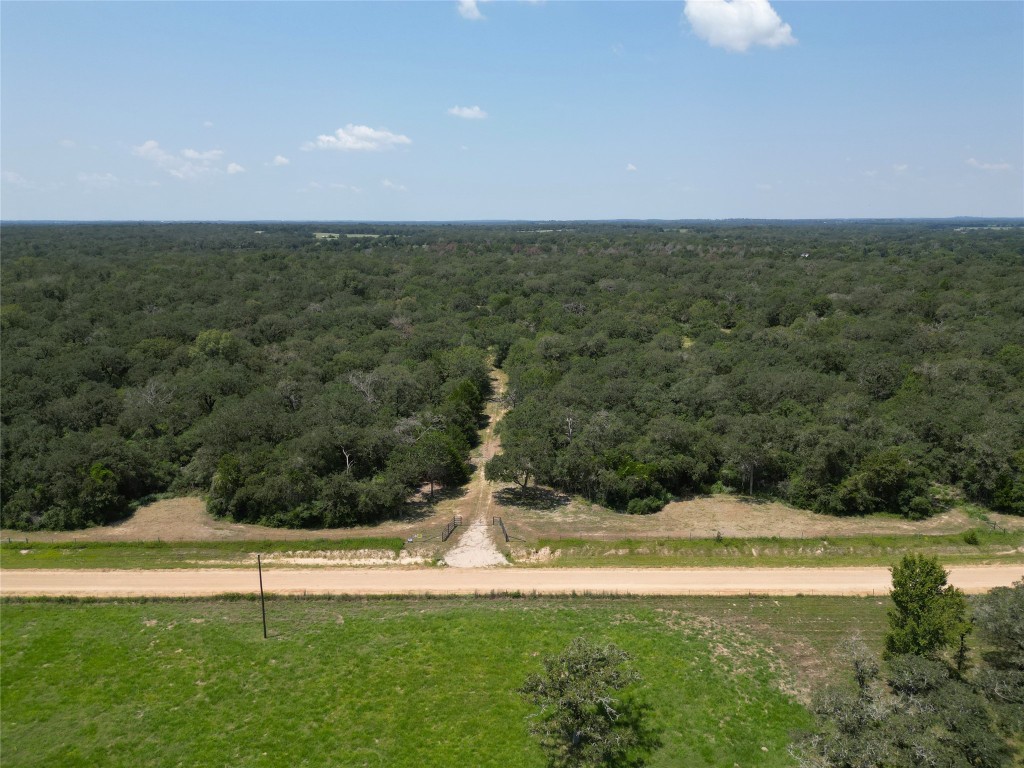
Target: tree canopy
(920, 709)
(583, 720)
(844, 367)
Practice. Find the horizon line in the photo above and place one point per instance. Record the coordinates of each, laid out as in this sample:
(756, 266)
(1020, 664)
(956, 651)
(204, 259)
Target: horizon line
(821, 219)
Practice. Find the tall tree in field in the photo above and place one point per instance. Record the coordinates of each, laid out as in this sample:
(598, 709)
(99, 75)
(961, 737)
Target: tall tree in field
(928, 614)
(581, 722)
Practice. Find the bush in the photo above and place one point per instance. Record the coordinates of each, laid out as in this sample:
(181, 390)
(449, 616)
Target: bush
(645, 506)
(924, 716)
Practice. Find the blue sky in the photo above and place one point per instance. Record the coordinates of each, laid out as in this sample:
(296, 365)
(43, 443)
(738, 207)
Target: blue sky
(511, 110)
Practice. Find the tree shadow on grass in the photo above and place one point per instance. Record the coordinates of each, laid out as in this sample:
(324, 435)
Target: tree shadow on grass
(753, 501)
(531, 498)
(422, 507)
(738, 498)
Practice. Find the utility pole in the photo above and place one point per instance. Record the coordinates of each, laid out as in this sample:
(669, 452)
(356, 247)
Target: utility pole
(263, 605)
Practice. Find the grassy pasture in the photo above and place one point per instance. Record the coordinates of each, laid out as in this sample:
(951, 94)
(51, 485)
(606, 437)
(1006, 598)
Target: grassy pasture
(971, 547)
(404, 682)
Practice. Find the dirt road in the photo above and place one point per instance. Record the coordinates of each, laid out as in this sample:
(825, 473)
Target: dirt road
(474, 544)
(451, 581)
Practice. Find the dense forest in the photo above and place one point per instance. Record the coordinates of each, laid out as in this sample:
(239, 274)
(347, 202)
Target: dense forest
(297, 380)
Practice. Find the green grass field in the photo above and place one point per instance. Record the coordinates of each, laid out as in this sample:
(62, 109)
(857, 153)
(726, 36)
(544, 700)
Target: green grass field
(404, 682)
(166, 554)
(975, 547)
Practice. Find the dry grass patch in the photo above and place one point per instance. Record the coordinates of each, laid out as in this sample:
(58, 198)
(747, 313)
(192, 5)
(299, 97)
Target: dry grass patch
(705, 517)
(186, 519)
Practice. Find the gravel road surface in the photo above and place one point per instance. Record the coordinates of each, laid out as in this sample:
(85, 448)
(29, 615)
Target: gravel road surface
(450, 581)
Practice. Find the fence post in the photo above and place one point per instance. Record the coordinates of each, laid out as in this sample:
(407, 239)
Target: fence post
(263, 605)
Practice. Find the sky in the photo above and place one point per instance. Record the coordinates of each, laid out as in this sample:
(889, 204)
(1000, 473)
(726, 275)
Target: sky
(446, 110)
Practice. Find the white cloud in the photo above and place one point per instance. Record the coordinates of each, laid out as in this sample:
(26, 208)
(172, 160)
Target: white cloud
(618, 49)
(870, 174)
(15, 178)
(234, 168)
(901, 167)
(346, 187)
(469, 113)
(762, 187)
(389, 184)
(988, 166)
(189, 164)
(207, 124)
(208, 155)
(630, 167)
(738, 24)
(150, 149)
(98, 180)
(469, 9)
(280, 160)
(68, 143)
(358, 138)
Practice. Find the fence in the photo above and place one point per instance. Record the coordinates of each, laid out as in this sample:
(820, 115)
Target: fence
(455, 523)
(499, 521)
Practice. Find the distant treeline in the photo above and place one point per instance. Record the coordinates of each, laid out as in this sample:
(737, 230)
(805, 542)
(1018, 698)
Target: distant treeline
(849, 368)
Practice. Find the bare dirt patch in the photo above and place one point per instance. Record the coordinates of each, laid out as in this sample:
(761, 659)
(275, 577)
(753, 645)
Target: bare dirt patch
(704, 517)
(186, 519)
(331, 558)
(475, 548)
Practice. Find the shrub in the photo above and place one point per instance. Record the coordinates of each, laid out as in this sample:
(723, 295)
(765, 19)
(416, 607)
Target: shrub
(645, 506)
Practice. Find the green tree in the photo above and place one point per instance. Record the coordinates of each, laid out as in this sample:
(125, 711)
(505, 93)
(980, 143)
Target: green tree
(437, 459)
(521, 459)
(1009, 496)
(885, 481)
(580, 722)
(528, 445)
(216, 343)
(917, 715)
(928, 614)
(999, 616)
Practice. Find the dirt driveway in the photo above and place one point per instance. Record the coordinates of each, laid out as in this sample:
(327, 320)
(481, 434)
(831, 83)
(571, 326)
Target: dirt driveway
(452, 581)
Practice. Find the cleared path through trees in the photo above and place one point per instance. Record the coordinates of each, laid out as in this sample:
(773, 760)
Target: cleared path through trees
(475, 545)
(467, 581)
